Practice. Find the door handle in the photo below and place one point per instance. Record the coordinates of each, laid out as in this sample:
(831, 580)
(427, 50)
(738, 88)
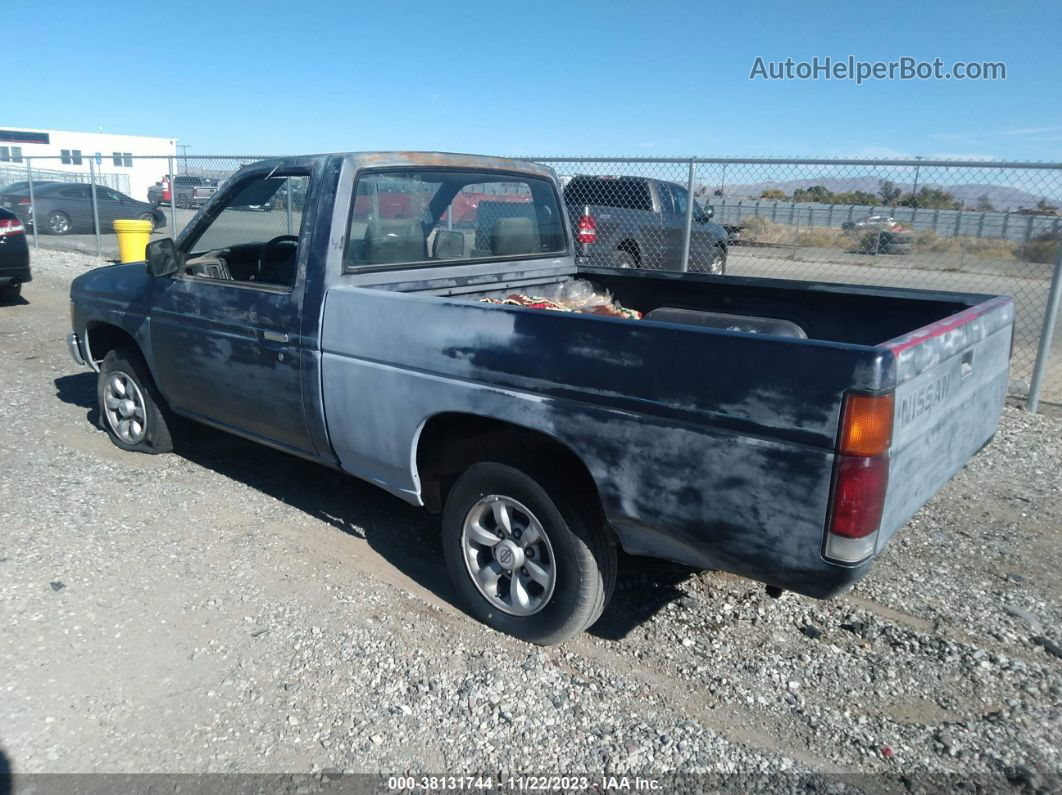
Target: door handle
(275, 336)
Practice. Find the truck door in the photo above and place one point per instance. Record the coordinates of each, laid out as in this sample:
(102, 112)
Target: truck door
(673, 220)
(225, 331)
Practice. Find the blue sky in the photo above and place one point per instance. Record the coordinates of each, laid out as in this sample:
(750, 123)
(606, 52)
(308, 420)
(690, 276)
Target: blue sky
(576, 77)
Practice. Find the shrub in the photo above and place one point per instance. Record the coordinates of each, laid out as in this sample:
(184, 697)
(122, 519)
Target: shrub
(1042, 248)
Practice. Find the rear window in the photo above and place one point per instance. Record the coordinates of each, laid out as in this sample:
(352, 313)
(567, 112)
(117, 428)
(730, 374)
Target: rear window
(425, 216)
(626, 194)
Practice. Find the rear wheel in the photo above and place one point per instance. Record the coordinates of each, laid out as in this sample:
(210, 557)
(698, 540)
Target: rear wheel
(624, 259)
(131, 410)
(525, 561)
(9, 294)
(59, 223)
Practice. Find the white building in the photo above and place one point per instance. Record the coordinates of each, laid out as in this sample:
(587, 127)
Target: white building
(65, 156)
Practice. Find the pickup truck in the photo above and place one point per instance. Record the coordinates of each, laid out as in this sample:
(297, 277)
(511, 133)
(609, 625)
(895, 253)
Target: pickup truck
(781, 430)
(189, 192)
(636, 222)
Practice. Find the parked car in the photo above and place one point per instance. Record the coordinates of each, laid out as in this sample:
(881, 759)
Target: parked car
(14, 257)
(781, 430)
(871, 222)
(66, 207)
(882, 235)
(880, 221)
(634, 222)
(896, 240)
(189, 192)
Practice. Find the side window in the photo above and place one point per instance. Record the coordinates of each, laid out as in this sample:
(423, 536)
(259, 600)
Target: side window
(678, 193)
(423, 216)
(254, 237)
(667, 205)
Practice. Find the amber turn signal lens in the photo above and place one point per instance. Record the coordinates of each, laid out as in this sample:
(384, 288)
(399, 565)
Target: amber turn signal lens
(867, 425)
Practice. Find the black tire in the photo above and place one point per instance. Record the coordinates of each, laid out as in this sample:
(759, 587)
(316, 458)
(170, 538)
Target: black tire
(718, 261)
(156, 416)
(9, 294)
(584, 556)
(59, 223)
(183, 203)
(149, 217)
(624, 259)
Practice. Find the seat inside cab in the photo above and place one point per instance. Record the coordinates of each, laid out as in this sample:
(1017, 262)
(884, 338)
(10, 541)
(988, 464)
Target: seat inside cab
(410, 219)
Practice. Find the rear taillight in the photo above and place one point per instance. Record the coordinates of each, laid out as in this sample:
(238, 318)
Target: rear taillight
(23, 202)
(866, 428)
(9, 227)
(861, 477)
(587, 232)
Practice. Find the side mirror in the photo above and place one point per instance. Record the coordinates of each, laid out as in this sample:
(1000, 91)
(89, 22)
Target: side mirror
(162, 258)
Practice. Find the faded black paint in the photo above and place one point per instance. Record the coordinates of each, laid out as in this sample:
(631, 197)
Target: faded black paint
(708, 446)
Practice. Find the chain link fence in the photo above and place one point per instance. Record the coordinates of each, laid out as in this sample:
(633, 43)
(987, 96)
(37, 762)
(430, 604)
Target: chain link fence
(980, 227)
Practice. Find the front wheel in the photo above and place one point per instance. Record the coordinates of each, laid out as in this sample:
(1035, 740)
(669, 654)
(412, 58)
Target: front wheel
(131, 410)
(717, 264)
(59, 223)
(9, 294)
(524, 562)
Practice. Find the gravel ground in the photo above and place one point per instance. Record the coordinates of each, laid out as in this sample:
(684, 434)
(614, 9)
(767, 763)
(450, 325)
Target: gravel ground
(232, 609)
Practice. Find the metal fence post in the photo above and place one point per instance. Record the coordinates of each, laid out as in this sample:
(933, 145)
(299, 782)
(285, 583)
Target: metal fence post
(33, 207)
(689, 218)
(173, 194)
(1043, 353)
(95, 207)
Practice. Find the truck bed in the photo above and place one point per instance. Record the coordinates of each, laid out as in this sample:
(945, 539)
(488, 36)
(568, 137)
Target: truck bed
(753, 418)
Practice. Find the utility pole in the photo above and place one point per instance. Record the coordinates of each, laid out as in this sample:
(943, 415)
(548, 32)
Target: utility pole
(914, 192)
(184, 154)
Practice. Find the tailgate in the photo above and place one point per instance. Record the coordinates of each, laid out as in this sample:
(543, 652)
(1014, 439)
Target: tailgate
(951, 382)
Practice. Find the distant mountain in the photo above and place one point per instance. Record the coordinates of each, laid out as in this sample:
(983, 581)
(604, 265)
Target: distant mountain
(1002, 197)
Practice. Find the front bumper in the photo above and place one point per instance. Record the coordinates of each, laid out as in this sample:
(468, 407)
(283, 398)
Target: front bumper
(74, 344)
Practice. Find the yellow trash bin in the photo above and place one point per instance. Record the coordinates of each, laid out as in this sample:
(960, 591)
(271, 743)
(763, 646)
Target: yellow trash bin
(133, 237)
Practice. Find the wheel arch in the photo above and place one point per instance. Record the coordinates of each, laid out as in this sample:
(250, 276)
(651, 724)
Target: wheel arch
(631, 246)
(449, 442)
(101, 338)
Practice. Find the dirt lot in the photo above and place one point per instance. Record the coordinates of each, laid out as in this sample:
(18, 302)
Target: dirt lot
(231, 609)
